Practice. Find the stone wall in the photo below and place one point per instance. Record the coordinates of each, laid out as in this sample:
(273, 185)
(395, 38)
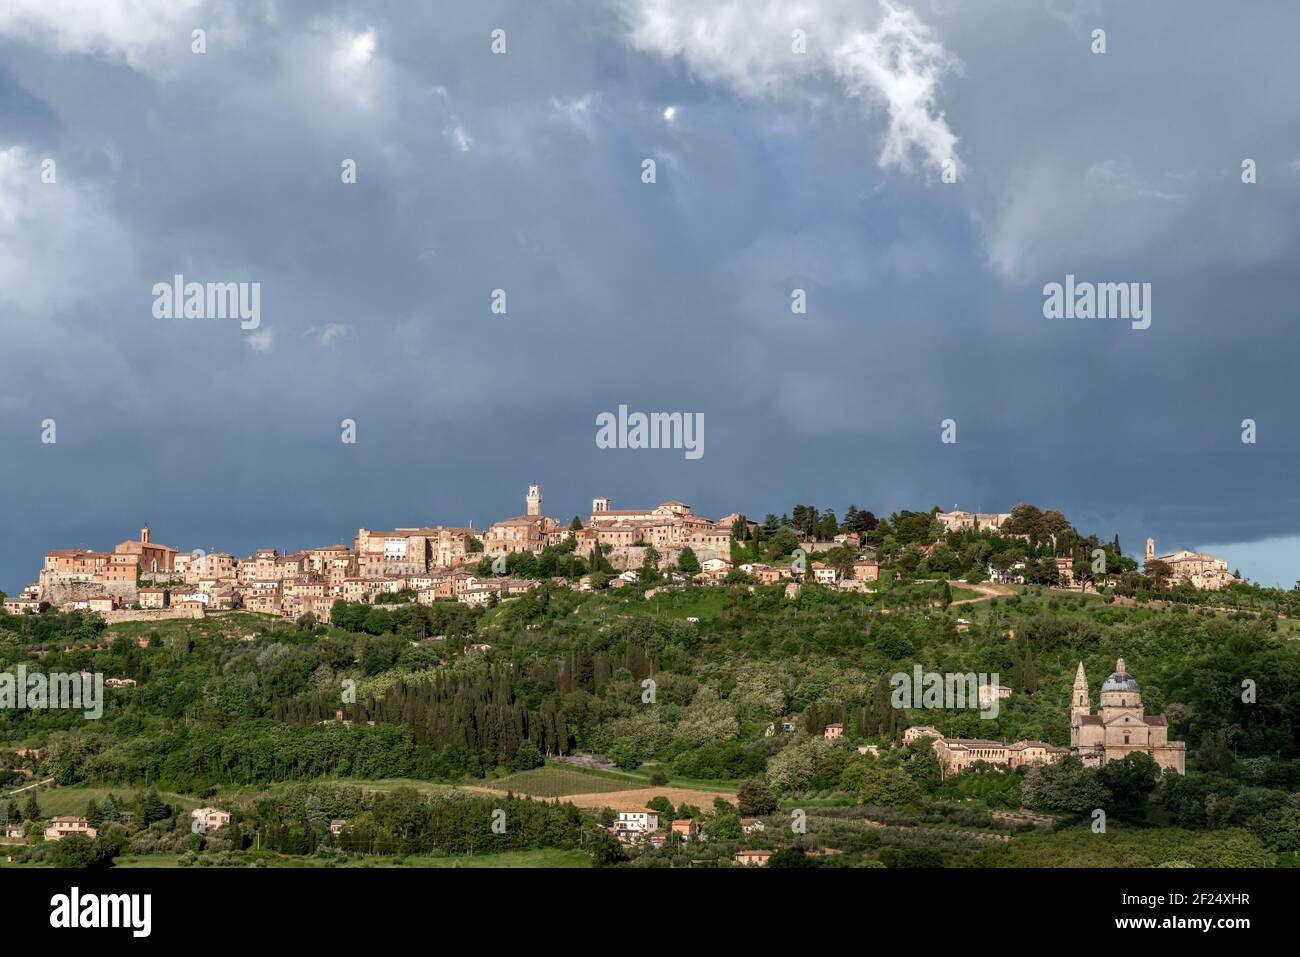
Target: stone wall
(150, 614)
(57, 589)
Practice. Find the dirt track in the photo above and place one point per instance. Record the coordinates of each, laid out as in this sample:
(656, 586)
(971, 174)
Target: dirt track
(633, 799)
(987, 590)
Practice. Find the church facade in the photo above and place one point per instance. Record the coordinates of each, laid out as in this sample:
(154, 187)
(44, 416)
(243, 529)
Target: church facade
(1121, 725)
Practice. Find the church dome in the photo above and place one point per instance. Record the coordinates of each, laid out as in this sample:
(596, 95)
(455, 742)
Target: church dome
(1120, 680)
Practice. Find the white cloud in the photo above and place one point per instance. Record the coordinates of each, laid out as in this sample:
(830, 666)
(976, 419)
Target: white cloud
(353, 69)
(578, 112)
(143, 33)
(261, 342)
(338, 71)
(328, 334)
(457, 134)
(895, 63)
(353, 54)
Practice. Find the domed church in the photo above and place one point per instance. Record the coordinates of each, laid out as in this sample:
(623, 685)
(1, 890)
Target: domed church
(1120, 725)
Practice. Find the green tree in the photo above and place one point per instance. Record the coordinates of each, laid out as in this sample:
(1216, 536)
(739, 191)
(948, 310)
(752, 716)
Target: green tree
(1158, 574)
(1214, 753)
(661, 806)
(650, 566)
(526, 757)
(1130, 780)
(77, 850)
(791, 857)
(152, 808)
(1064, 786)
(604, 848)
(755, 798)
(784, 541)
(886, 786)
(314, 812)
(687, 563)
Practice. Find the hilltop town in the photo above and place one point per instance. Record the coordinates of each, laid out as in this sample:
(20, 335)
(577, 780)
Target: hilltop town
(690, 690)
(142, 578)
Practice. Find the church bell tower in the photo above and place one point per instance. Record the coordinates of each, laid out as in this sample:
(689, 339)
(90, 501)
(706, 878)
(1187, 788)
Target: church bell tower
(534, 500)
(1079, 705)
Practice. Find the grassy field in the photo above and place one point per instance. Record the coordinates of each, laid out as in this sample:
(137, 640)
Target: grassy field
(248, 796)
(544, 857)
(678, 604)
(588, 788)
(640, 778)
(557, 780)
(387, 785)
(226, 625)
(73, 800)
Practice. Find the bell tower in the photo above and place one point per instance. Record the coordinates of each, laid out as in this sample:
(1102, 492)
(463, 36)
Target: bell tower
(1151, 549)
(1079, 705)
(534, 500)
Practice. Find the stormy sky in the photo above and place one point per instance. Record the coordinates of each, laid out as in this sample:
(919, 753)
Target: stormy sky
(776, 170)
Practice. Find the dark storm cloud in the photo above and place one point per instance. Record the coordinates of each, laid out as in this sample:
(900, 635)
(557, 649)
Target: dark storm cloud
(521, 172)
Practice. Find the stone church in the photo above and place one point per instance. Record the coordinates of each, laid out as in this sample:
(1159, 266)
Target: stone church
(1120, 725)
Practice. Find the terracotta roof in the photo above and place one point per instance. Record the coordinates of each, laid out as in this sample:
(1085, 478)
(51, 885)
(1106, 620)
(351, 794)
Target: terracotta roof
(521, 520)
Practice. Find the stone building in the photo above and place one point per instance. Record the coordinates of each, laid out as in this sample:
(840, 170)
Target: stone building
(1202, 570)
(958, 521)
(407, 551)
(958, 754)
(153, 561)
(80, 574)
(530, 532)
(1121, 725)
(669, 527)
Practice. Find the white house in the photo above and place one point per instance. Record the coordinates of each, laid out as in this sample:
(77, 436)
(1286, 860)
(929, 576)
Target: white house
(206, 819)
(640, 821)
